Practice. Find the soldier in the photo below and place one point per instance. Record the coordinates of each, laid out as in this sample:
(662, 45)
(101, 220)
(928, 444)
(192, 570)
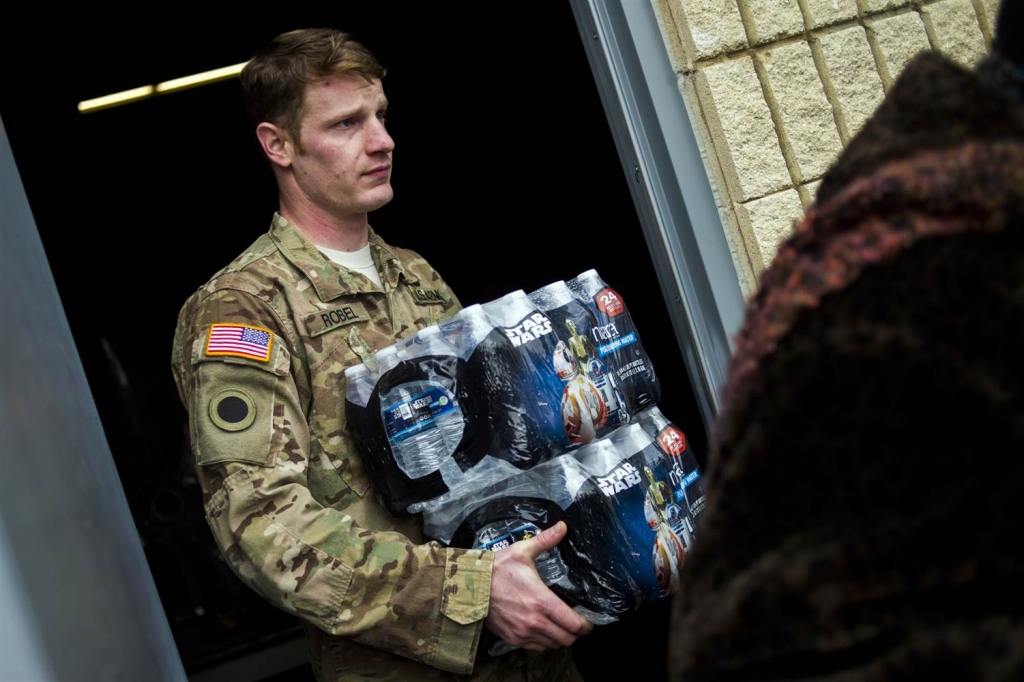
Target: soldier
(259, 357)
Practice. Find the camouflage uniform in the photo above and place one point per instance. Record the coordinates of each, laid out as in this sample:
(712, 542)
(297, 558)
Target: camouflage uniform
(284, 492)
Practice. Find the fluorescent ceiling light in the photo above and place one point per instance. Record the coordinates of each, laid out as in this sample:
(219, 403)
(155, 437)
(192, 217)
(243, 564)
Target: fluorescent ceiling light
(115, 99)
(200, 78)
(145, 91)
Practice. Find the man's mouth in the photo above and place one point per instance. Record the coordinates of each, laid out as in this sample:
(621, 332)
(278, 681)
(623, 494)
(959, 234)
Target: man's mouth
(378, 172)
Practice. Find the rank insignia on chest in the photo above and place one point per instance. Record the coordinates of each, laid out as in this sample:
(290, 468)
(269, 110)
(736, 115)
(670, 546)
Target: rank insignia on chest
(240, 341)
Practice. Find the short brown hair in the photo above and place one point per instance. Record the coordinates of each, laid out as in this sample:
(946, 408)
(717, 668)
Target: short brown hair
(274, 81)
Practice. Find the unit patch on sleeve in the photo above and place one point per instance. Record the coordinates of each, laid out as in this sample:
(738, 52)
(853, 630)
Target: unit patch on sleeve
(239, 341)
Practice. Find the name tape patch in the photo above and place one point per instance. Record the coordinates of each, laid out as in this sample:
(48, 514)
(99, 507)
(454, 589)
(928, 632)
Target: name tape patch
(325, 320)
(426, 296)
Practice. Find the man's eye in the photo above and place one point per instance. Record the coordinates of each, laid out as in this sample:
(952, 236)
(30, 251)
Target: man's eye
(347, 123)
(382, 116)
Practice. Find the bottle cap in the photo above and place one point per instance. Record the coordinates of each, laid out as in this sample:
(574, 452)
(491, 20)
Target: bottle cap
(551, 296)
(510, 308)
(585, 284)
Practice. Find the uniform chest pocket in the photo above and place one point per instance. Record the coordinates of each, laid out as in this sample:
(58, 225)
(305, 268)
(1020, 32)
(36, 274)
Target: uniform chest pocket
(345, 346)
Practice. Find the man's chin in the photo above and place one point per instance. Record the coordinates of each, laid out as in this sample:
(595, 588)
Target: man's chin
(380, 197)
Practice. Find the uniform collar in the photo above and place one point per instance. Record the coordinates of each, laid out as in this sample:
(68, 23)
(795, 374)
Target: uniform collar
(330, 280)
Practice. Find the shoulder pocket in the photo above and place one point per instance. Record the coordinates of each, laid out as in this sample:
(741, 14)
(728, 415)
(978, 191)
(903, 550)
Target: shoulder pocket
(233, 406)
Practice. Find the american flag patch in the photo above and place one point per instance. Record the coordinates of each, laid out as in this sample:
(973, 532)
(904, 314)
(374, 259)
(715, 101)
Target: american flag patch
(240, 341)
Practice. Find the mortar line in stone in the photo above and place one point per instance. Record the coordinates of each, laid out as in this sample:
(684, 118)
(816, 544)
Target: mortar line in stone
(788, 40)
(822, 68)
(749, 27)
(876, 53)
(710, 124)
(711, 150)
(830, 92)
(681, 27)
(929, 29)
(805, 14)
(746, 227)
(805, 195)
(713, 120)
(986, 29)
(788, 155)
(732, 181)
(748, 242)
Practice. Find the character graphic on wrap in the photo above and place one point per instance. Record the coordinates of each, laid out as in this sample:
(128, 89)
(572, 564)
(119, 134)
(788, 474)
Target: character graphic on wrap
(587, 360)
(672, 442)
(669, 551)
(584, 410)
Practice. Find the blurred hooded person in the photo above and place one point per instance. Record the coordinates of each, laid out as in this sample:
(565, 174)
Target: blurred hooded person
(864, 520)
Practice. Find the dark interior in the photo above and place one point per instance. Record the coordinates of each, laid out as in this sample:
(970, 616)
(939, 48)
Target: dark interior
(507, 178)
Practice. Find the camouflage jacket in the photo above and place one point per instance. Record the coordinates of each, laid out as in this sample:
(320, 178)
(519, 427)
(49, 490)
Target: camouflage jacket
(258, 358)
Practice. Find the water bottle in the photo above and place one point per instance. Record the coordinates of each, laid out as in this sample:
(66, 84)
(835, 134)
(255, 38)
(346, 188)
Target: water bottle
(429, 341)
(358, 385)
(687, 481)
(551, 567)
(617, 342)
(509, 309)
(574, 323)
(467, 329)
(525, 391)
(386, 358)
(499, 535)
(416, 443)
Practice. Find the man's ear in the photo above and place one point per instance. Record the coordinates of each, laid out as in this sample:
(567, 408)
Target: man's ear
(276, 144)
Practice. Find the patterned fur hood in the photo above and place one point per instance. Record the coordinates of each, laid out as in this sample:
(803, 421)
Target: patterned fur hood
(862, 519)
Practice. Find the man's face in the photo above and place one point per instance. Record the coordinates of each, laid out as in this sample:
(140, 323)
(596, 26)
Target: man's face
(342, 160)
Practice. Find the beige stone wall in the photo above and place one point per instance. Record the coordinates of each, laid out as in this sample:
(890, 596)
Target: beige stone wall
(776, 89)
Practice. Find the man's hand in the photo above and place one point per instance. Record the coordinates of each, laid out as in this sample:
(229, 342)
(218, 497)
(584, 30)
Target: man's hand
(523, 611)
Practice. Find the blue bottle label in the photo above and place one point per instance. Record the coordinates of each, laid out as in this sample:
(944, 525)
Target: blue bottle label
(523, 532)
(418, 413)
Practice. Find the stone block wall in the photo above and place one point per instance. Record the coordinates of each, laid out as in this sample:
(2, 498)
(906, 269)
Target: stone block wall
(777, 88)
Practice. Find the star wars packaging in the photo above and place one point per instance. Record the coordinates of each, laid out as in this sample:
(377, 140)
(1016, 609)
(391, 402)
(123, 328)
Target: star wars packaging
(547, 385)
(591, 404)
(501, 387)
(643, 552)
(626, 537)
(509, 350)
(684, 472)
(618, 342)
(419, 427)
(513, 371)
(522, 505)
(518, 508)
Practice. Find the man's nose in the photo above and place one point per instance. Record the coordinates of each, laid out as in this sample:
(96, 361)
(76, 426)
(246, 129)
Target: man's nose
(380, 139)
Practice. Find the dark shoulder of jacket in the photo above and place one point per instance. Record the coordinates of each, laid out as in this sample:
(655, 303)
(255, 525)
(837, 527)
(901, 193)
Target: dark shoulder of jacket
(934, 104)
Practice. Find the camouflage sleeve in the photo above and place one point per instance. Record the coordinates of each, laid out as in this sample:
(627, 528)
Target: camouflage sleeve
(251, 443)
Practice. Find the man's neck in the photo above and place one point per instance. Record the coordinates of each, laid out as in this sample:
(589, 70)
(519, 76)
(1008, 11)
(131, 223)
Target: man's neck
(348, 233)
